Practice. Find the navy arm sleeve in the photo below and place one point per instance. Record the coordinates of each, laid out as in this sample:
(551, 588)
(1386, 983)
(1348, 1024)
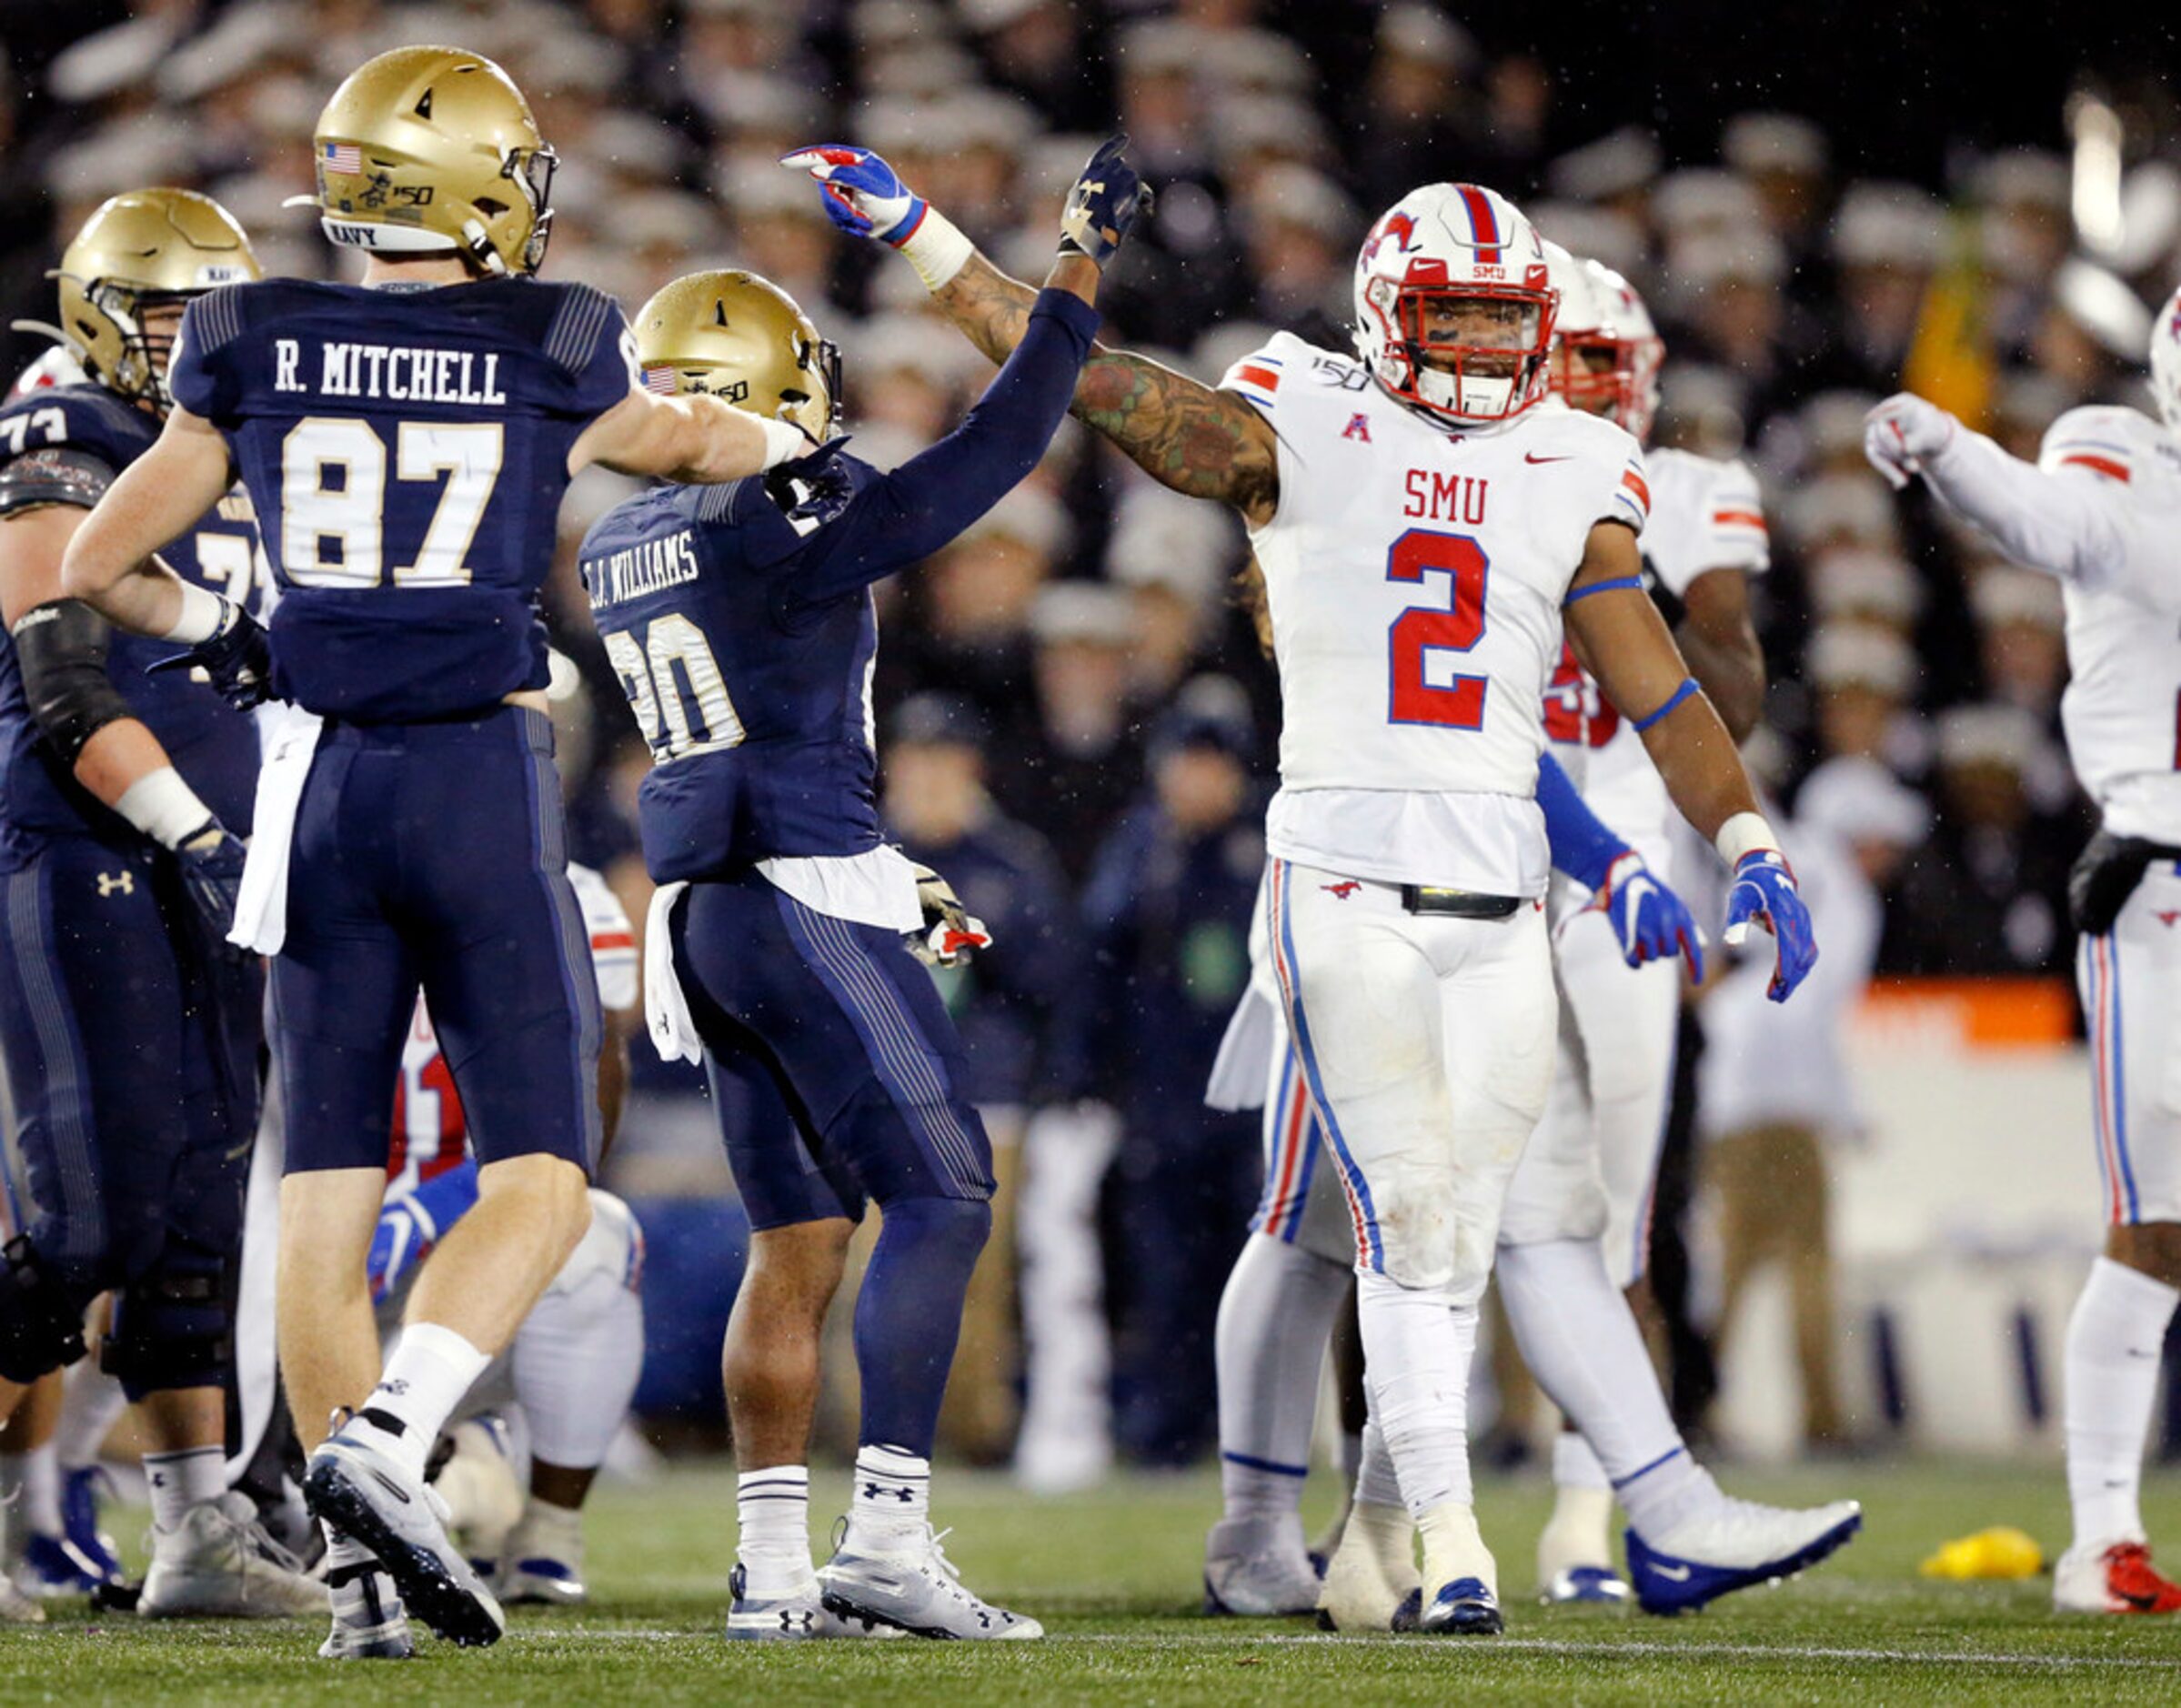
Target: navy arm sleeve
(906, 516)
(1583, 846)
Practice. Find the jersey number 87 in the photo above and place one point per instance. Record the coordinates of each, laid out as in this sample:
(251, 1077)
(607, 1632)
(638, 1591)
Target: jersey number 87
(675, 689)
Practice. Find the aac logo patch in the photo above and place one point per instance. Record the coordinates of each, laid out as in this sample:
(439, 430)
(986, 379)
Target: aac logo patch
(1358, 428)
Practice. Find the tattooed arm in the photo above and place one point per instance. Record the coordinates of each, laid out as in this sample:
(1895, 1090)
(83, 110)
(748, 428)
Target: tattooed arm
(1202, 442)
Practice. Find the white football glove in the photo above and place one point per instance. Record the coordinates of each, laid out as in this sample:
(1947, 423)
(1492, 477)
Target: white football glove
(1901, 432)
(951, 933)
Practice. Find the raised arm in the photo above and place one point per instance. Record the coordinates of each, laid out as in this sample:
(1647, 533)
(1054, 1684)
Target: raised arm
(2062, 521)
(1198, 440)
(699, 439)
(1621, 639)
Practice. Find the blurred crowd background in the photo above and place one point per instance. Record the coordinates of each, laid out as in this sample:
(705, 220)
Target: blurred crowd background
(1077, 724)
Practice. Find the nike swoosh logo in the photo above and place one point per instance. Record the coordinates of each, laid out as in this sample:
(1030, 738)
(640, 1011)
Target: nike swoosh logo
(1531, 456)
(1672, 1574)
(2142, 1603)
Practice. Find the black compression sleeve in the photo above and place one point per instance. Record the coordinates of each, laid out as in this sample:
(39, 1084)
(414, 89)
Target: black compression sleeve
(61, 649)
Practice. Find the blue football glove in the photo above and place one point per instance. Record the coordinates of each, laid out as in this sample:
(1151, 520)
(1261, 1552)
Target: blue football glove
(212, 861)
(1652, 922)
(411, 1225)
(239, 660)
(1764, 895)
(863, 196)
(1106, 201)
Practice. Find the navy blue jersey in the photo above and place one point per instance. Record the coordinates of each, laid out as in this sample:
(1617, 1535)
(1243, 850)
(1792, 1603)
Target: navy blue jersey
(407, 452)
(738, 617)
(82, 436)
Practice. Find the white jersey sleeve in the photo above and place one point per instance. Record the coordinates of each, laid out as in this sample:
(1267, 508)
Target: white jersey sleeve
(2098, 511)
(1705, 515)
(612, 939)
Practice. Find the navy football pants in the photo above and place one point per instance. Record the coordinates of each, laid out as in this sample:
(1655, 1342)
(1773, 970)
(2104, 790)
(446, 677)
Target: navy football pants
(435, 856)
(844, 1025)
(132, 1056)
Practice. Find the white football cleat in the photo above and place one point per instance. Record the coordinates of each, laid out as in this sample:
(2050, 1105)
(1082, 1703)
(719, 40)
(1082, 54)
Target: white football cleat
(17, 1608)
(542, 1559)
(218, 1563)
(919, 1592)
(368, 1621)
(1372, 1582)
(1730, 1546)
(801, 1617)
(1598, 1585)
(1258, 1568)
(374, 1499)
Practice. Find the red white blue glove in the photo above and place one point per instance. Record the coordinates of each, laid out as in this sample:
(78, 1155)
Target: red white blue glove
(1764, 895)
(1652, 922)
(1901, 432)
(862, 195)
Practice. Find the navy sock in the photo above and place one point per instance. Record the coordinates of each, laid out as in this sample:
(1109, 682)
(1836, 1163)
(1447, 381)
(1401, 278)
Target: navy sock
(908, 1316)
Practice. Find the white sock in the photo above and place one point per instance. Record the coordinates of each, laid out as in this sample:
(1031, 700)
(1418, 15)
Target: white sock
(30, 1491)
(1581, 1342)
(1416, 1357)
(180, 1481)
(1275, 1318)
(553, 1531)
(1574, 1466)
(1376, 1483)
(2113, 1340)
(432, 1367)
(1578, 1533)
(891, 1512)
(774, 1546)
(92, 1402)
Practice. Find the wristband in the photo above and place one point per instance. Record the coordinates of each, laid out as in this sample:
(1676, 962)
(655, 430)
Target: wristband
(1743, 834)
(936, 248)
(204, 615)
(165, 808)
(784, 442)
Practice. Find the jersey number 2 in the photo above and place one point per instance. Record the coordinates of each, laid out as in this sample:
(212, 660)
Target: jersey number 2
(1457, 703)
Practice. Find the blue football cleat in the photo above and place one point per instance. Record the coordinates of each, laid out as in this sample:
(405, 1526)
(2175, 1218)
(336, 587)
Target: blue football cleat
(1465, 1608)
(79, 1522)
(51, 1568)
(1733, 1547)
(1593, 1585)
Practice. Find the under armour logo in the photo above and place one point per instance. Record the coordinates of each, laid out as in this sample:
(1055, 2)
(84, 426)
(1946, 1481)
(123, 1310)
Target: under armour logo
(1347, 886)
(395, 1384)
(109, 882)
(2168, 917)
(879, 1492)
(1358, 428)
(794, 1618)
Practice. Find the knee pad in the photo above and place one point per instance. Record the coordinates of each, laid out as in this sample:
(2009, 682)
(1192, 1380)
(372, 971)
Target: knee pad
(1413, 1211)
(172, 1327)
(41, 1319)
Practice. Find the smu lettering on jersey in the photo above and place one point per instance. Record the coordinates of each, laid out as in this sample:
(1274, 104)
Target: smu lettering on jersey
(66, 445)
(1415, 577)
(431, 1135)
(749, 677)
(407, 452)
(2122, 708)
(1705, 515)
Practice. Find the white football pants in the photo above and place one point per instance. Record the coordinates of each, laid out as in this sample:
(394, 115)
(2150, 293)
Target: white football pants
(2130, 980)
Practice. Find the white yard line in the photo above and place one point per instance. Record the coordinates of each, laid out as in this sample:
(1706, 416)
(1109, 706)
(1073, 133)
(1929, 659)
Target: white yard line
(1527, 1645)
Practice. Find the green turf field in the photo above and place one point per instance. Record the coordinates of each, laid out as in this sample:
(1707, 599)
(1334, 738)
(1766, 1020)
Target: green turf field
(1113, 1576)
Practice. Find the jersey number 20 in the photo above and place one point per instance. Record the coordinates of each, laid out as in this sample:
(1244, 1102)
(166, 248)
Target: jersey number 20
(1422, 629)
(675, 689)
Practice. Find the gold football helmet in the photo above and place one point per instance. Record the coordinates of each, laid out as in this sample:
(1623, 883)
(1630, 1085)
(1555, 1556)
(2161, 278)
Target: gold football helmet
(433, 150)
(741, 337)
(140, 249)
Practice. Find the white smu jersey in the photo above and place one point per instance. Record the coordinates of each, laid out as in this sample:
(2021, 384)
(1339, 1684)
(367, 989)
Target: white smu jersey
(2122, 711)
(1415, 576)
(431, 1134)
(1705, 515)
